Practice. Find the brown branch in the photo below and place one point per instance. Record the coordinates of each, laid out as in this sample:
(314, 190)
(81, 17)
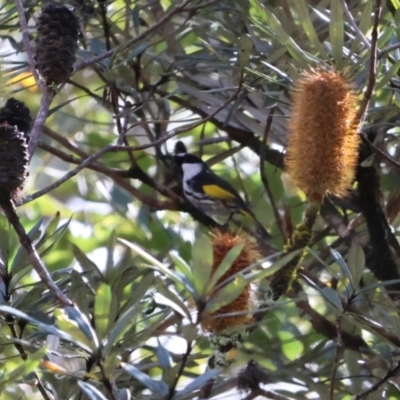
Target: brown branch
(33, 256)
(339, 349)
(25, 41)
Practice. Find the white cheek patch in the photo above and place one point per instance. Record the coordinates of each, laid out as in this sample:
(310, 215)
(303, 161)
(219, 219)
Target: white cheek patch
(190, 170)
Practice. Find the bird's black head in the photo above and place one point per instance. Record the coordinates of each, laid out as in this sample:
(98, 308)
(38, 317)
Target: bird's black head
(184, 158)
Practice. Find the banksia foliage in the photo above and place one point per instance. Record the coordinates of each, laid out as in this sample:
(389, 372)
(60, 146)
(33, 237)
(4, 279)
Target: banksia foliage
(56, 44)
(321, 155)
(244, 303)
(14, 162)
(15, 112)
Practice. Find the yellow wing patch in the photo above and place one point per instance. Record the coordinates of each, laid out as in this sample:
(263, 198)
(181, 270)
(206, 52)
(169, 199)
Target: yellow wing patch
(217, 192)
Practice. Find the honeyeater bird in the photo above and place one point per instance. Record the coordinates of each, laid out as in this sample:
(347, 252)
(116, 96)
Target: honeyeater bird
(209, 193)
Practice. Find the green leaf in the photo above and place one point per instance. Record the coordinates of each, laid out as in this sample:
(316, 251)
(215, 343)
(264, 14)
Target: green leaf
(21, 258)
(226, 295)
(12, 375)
(225, 265)
(304, 17)
(245, 48)
(291, 347)
(78, 292)
(109, 269)
(345, 268)
(90, 391)
(124, 323)
(336, 32)
(197, 383)
(74, 331)
(388, 76)
(356, 263)
(158, 388)
(102, 306)
(45, 328)
(332, 297)
(202, 261)
(94, 273)
(172, 299)
(275, 267)
(154, 263)
(364, 25)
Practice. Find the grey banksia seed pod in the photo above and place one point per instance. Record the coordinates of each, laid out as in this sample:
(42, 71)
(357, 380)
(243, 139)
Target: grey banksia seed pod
(56, 44)
(14, 161)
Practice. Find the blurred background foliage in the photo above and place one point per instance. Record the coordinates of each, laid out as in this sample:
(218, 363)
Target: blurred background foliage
(118, 236)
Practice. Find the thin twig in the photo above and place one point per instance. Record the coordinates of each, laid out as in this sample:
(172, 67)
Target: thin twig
(354, 24)
(115, 175)
(25, 41)
(388, 375)
(388, 49)
(386, 157)
(82, 64)
(68, 175)
(339, 346)
(185, 357)
(116, 148)
(33, 256)
(372, 64)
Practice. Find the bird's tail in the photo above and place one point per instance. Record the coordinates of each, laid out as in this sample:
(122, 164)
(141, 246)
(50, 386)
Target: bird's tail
(260, 229)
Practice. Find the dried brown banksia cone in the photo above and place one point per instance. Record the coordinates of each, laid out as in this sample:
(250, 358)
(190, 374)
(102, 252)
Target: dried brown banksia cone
(323, 142)
(14, 162)
(15, 112)
(244, 303)
(56, 43)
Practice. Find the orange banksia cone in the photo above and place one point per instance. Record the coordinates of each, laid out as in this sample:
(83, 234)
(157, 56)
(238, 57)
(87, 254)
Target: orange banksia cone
(323, 141)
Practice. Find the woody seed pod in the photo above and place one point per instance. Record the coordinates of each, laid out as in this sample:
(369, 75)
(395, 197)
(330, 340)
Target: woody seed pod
(15, 112)
(14, 162)
(56, 44)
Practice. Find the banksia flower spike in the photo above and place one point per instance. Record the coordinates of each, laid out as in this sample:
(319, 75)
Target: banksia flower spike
(14, 162)
(56, 44)
(244, 303)
(321, 155)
